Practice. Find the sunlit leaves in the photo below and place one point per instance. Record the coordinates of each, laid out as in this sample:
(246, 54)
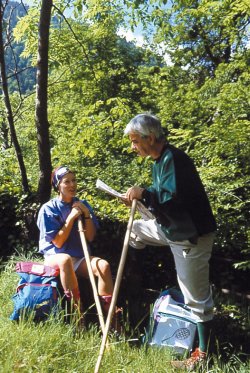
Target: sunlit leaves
(98, 81)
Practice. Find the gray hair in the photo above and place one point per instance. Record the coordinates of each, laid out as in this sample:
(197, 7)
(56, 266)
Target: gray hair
(144, 125)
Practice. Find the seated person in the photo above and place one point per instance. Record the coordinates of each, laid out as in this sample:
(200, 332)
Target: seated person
(60, 241)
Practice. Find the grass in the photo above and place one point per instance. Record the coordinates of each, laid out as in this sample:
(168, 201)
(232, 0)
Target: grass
(54, 346)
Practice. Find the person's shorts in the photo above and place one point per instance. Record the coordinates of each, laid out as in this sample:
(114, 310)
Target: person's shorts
(76, 261)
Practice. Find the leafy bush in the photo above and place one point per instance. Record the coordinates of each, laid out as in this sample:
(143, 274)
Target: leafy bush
(9, 229)
(17, 223)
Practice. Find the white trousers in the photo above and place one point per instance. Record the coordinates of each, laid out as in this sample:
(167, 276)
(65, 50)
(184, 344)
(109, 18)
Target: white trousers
(191, 262)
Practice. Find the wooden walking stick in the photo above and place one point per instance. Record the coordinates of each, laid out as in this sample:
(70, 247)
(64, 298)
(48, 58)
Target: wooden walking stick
(90, 272)
(117, 286)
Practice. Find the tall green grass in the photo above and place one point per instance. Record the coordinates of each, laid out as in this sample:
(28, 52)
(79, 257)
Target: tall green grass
(54, 346)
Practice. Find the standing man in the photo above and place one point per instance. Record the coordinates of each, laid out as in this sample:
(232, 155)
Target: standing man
(183, 220)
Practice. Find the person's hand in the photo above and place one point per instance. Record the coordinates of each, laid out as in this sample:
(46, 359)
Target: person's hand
(134, 192)
(81, 208)
(124, 200)
(78, 208)
(75, 213)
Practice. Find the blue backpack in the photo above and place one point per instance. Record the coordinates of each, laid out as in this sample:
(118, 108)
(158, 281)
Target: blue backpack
(37, 292)
(172, 323)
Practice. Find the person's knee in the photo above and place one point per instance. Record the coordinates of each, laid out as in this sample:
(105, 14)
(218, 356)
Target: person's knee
(65, 263)
(103, 267)
(136, 228)
(136, 242)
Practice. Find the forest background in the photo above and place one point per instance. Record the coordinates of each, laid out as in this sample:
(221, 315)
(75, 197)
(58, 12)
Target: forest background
(70, 106)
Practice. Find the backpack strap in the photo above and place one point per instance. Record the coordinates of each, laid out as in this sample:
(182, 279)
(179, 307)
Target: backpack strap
(38, 269)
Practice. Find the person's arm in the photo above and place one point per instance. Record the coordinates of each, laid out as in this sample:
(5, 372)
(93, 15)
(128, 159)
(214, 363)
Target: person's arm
(65, 230)
(78, 209)
(160, 199)
(88, 219)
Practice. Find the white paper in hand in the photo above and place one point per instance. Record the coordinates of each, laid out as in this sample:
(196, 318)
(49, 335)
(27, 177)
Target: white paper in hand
(145, 213)
(104, 187)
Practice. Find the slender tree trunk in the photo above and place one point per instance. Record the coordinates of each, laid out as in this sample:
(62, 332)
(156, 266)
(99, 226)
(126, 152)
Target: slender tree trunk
(9, 113)
(42, 123)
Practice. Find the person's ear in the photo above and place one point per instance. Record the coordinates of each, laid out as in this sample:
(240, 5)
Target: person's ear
(151, 138)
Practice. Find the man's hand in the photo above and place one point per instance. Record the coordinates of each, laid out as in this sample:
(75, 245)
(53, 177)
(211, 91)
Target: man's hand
(134, 192)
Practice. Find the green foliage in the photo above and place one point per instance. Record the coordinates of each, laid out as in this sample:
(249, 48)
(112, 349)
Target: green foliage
(196, 35)
(9, 230)
(17, 223)
(98, 81)
(21, 75)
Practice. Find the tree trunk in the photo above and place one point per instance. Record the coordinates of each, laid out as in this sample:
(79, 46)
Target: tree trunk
(42, 124)
(9, 113)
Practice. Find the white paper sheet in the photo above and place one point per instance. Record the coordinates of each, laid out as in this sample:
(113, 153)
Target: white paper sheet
(145, 213)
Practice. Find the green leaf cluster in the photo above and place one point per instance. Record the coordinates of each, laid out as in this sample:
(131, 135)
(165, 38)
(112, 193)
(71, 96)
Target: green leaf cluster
(98, 81)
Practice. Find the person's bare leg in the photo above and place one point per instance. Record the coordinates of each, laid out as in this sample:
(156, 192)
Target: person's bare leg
(101, 269)
(67, 274)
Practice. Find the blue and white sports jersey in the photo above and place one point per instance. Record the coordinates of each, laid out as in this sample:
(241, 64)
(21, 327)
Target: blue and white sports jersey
(51, 218)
